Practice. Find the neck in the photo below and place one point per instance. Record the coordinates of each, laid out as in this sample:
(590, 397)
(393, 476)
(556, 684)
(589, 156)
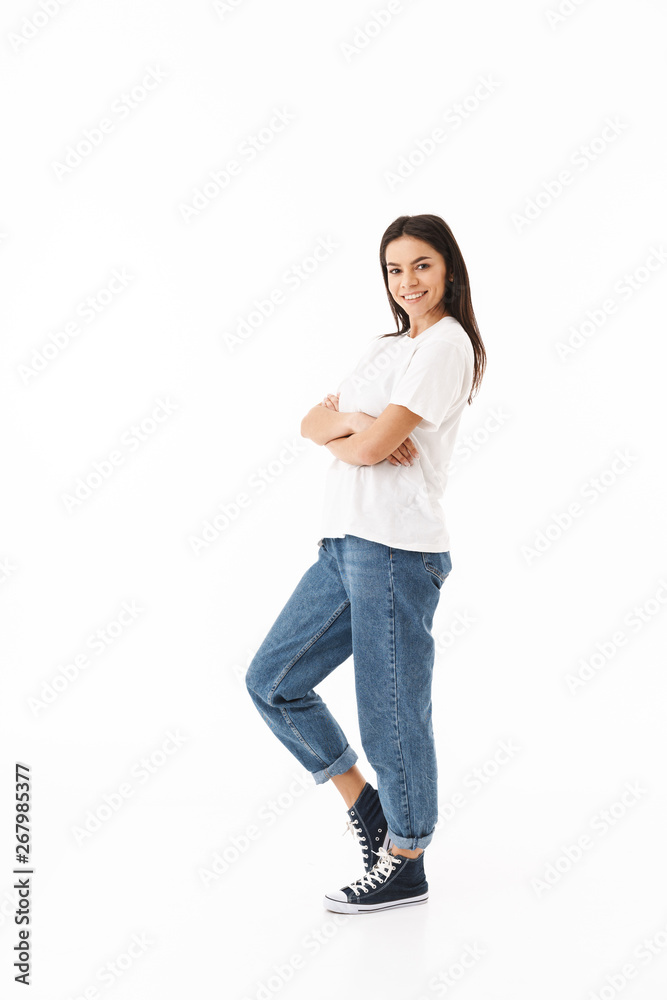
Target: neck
(423, 323)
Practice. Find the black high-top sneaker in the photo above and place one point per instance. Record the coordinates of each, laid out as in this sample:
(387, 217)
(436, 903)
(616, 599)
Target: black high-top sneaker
(393, 881)
(368, 825)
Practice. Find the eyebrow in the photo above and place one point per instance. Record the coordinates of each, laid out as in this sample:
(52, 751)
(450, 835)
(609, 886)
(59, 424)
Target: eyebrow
(415, 261)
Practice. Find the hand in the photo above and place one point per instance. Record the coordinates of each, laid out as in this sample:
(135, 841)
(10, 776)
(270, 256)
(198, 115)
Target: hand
(407, 450)
(404, 454)
(331, 401)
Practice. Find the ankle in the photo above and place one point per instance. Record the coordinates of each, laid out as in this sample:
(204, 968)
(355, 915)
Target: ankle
(350, 784)
(405, 852)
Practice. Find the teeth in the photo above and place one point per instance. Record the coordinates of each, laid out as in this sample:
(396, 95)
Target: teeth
(417, 295)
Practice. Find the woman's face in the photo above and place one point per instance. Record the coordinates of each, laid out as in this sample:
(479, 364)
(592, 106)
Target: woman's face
(416, 273)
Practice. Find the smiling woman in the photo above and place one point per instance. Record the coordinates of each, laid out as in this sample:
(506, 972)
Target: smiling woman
(383, 558)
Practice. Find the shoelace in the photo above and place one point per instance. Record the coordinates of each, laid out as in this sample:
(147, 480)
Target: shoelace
(353, 826)
(380, 871)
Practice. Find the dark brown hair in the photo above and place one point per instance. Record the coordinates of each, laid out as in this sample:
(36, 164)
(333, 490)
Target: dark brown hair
(456, 301)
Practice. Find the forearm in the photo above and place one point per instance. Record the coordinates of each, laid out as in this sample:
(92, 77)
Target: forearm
(322, 424)
(351, 449)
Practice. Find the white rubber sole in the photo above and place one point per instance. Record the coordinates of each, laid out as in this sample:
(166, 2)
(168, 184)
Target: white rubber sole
(339, 906)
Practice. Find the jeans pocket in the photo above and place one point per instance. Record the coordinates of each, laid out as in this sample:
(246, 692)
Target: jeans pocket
(439, 565)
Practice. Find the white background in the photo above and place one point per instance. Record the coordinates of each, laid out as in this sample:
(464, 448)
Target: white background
(543, 430)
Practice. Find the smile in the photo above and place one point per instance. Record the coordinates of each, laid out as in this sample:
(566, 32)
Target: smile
(413, 296)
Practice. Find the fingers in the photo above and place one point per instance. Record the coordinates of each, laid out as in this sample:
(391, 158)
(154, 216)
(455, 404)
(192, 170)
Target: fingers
(412, 447)
(405, 454)
(399, 458)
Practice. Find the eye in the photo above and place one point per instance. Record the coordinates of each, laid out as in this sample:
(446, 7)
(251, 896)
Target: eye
(393, 270)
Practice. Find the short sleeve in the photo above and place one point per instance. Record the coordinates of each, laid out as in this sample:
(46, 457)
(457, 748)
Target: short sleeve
(433, 381)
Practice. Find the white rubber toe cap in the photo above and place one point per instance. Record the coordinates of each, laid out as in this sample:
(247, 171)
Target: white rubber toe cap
(338, 896)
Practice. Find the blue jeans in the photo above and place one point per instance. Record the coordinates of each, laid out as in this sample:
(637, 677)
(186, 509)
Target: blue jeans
(375, 603)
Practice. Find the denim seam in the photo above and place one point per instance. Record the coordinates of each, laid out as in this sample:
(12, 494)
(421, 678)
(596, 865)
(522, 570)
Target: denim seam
(396, 707)
(339, 610)
(296, 732)
(326, 767)
(432, 569)
(428, 837)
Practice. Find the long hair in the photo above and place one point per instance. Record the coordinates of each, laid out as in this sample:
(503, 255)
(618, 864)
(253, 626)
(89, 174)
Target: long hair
(456, 300)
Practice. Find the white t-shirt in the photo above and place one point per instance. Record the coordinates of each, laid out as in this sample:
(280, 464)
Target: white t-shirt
(400, 506)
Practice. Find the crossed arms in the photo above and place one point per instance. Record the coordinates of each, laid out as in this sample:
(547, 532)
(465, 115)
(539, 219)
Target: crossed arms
(360, 439)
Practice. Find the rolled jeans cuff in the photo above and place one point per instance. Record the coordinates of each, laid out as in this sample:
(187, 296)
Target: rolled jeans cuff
(411, 843)
(339, 766)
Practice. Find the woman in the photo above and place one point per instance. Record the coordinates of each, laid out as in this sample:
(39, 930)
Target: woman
(383, 557)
